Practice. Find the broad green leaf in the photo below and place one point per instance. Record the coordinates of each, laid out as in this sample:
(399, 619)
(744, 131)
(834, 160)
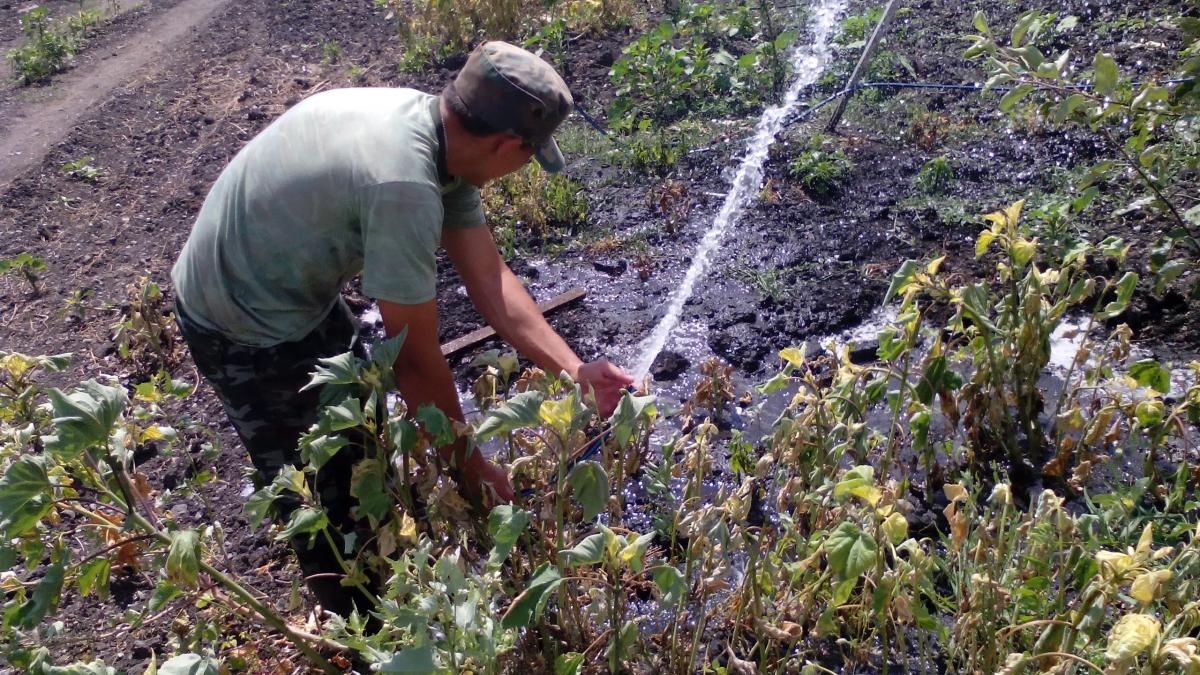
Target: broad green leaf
(436, 425)
(1149, 413)
(411, 660)
(1150, 373)
(84, 418)
(851, 551)
(1105, 74)
(901, 279)
(630, 410)
(341, 369)
(368, 485)
(258, 504)
(190, 664)
(1132, 635)
(304, 520)
(670, 584)
(1125, 287)
(527, 606)
(518, 412)
(625, 641)
(183, 560)
(505, 524)
(590, 485)
(1168, 273)
(587, 552)
(384, 353)
(1014, 96)
(344, 415)
(164, 592)
(570, 663)
(317, 451)
(44, 598)
(980, 21)
(93, 577)
(25, 496)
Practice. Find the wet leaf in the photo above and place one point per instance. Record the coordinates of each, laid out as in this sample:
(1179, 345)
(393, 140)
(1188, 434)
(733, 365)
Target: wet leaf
(505, 524)
(518, 412)
(851, 551)
(590, 484)
(1132, 635)
(527, 606)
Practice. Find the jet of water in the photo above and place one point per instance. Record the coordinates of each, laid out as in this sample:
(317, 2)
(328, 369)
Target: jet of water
(809, 62)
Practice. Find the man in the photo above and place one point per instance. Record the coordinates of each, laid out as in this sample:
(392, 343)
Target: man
(370, 181)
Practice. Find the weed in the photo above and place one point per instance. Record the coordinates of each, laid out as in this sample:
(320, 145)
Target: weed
(925, 129)
(331, 51)
(768, 283)
(27, 267)
(935, 175)
(146, 334)
(821, 170)
(82, 169)
(673, 201)
(535, 203)
(46, 50)
(76, 305)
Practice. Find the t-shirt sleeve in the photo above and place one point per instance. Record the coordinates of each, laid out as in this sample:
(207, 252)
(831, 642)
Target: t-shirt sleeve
(463, 206)
(401, 230)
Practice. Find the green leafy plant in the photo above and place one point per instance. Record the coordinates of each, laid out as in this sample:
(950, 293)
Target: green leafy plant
(533, 205)
(1145, 124)
(935, 175)
(46, 50)
(27, 267)
(146, 335)
(331, 51)
(821, 170)
(82, 169)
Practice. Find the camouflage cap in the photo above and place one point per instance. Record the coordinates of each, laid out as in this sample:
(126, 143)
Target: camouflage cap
(516, 92)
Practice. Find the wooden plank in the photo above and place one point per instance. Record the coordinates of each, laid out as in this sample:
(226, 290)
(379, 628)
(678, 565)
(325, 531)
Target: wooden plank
(473, 338)
(860, 68)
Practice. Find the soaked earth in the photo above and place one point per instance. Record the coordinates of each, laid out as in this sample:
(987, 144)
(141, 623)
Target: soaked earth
(161, 136)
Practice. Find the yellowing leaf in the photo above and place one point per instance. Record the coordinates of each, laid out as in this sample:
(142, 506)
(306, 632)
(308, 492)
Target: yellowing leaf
(794, 355)
(557, 414)
(955, 492)
(934, 265)
(1112, 563)
(1147, 538)
(1023, 250)
(895, 527)
(1145, 586)
(1133, 634)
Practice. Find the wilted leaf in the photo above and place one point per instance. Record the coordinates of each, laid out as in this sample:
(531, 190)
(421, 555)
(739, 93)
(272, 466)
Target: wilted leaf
(1145, 586)
(589, 482)
(895, 526)
(183, 560)
(1132, 635)
(367, 484)
(84, 418)
(859, 482)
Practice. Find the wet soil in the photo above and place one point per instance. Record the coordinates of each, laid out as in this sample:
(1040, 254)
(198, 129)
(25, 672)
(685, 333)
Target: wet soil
(161, 139)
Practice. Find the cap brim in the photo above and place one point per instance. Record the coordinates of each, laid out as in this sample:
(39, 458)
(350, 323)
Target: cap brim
(550, 157)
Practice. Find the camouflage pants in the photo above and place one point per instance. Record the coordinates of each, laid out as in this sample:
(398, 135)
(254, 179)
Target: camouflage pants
(260, 390)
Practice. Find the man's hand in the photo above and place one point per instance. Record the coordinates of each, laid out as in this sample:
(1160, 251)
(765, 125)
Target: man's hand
(606, 381)
(481, 478)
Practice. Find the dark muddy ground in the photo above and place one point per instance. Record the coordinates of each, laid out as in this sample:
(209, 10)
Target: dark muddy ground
(161, 142)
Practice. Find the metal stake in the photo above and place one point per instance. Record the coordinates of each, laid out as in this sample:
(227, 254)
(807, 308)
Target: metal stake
(863, 61)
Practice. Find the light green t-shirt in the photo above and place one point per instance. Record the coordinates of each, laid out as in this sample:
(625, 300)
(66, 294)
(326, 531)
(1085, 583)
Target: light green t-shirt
(348, 180)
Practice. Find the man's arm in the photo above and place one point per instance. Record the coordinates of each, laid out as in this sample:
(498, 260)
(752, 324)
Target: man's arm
(423, 376)
(505, 304)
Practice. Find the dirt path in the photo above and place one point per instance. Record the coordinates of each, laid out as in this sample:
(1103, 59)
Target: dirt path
(34, 123)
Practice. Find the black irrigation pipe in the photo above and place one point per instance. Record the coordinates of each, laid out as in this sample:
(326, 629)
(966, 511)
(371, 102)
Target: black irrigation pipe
(802, 115)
